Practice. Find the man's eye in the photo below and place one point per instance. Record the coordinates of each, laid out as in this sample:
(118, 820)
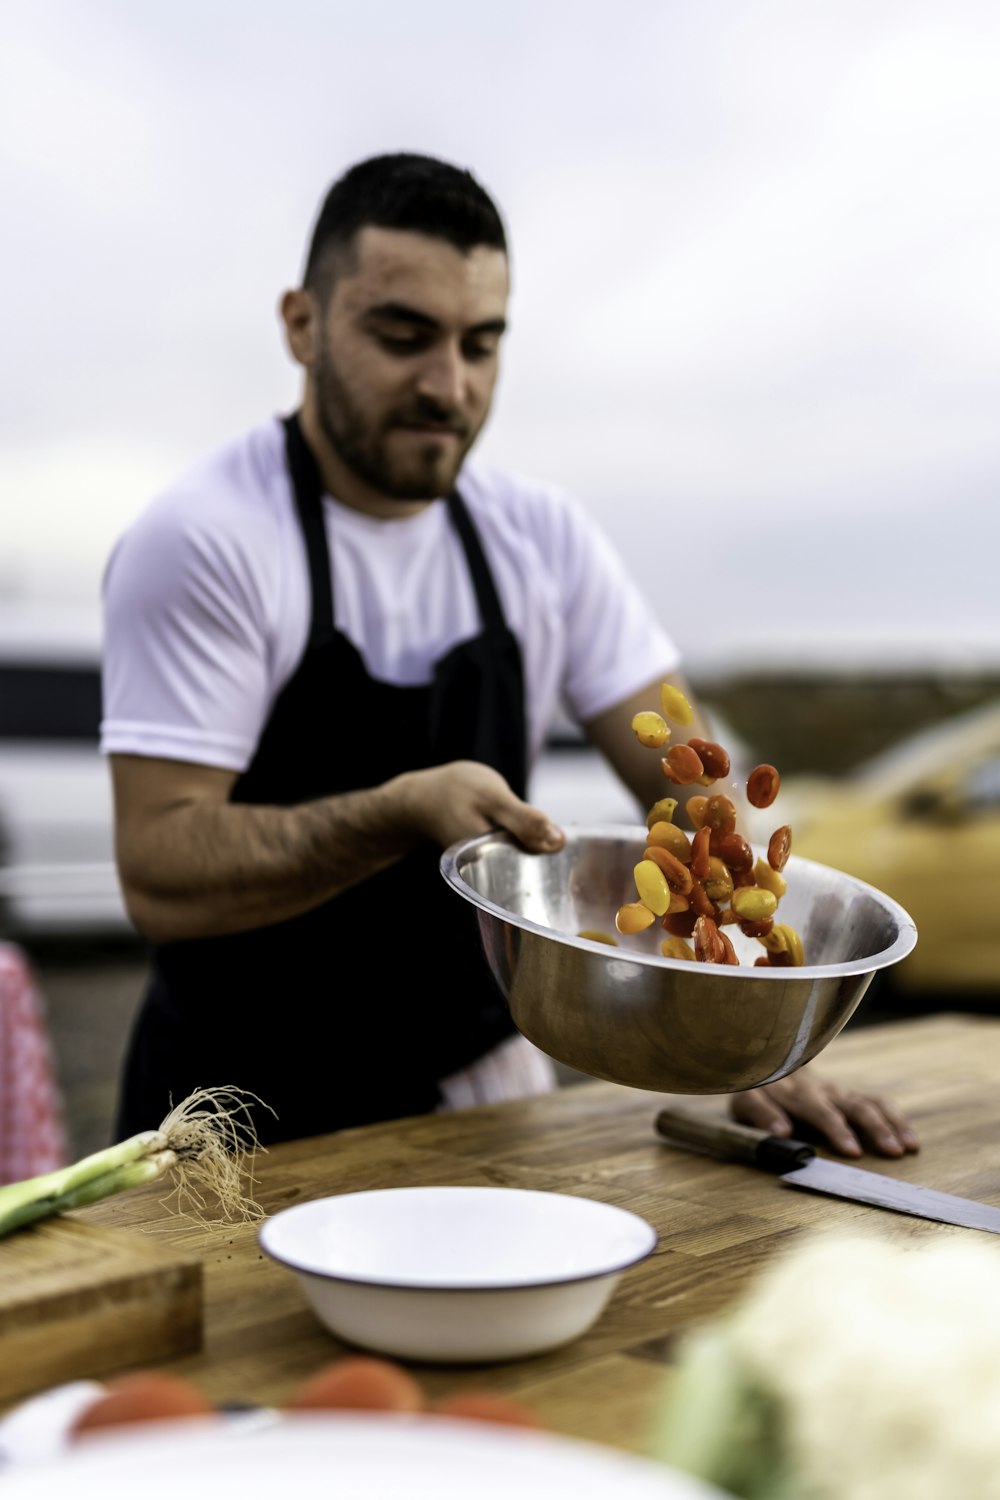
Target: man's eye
(401, 343)
(480, 351)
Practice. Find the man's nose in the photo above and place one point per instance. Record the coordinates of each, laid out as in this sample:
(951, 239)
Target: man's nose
(443, 377)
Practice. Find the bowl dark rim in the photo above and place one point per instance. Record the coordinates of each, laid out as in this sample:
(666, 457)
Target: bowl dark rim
(396, 1284)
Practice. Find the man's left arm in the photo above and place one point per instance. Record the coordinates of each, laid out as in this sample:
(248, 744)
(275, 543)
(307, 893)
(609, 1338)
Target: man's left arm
(637, 765)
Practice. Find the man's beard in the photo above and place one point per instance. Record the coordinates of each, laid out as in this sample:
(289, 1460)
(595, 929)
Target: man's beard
(363, 449)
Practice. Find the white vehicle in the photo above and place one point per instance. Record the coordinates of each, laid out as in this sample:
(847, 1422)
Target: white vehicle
(57, 869)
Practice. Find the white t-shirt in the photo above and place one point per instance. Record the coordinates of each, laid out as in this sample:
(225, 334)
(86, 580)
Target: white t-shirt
(207, 602)
(207, 609)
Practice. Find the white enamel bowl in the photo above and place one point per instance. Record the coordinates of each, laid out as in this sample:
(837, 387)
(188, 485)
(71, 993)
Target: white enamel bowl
(457, 1274)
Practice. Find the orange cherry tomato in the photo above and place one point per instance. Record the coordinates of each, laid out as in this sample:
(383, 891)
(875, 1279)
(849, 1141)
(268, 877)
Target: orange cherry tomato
(486, 1406)
(145, 1396)
(358, 1384)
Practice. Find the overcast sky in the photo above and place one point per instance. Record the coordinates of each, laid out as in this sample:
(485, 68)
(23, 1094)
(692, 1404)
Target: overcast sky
(755, 321)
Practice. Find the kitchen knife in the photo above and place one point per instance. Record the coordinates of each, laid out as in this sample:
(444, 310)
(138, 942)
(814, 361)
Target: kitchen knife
(798, 1165)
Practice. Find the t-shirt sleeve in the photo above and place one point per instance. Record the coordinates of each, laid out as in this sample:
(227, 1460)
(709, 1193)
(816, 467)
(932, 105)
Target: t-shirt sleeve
(615, 642)
(185, 658)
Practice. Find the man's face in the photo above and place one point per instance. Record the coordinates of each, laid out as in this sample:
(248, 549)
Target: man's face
(406, 360)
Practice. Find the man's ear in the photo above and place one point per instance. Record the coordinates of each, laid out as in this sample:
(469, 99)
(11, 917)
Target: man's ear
(300, 315)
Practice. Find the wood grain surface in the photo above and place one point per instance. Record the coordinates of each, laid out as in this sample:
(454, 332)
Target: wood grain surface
(80, 1299)
(719, 1223)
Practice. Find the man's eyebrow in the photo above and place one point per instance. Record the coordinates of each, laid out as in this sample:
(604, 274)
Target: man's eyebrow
(401, 312)
(491, 325)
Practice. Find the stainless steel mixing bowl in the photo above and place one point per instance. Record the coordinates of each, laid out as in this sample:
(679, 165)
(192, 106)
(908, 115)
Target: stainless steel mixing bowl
(626, 1014)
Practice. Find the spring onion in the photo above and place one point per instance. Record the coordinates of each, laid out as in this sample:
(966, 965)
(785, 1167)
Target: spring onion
(203, 1144)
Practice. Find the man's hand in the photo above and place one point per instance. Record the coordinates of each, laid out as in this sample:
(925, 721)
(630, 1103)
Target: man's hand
(465, 798)
(849, 1121)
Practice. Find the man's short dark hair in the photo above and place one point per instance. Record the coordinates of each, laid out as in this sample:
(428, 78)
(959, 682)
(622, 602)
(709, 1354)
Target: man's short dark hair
(402, 190)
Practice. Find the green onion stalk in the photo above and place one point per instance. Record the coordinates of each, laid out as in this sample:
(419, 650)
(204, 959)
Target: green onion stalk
(205, 1145)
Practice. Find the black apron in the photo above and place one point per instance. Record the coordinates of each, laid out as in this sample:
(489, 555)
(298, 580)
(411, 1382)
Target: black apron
(354, 1010)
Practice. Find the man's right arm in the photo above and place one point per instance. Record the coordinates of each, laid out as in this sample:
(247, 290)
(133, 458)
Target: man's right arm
(194, 864)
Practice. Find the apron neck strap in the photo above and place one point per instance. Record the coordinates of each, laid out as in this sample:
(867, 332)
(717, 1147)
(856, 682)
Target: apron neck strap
(308, 489)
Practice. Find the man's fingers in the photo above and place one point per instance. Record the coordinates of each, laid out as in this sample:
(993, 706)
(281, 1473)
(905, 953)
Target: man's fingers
(532, 828)
(465, 798)
(488, 798)
(887, 1129)
(901, 1125)
(831, 1122)
(839, 1115)
(821, 1105)
(755, 1107)
(802, 1098)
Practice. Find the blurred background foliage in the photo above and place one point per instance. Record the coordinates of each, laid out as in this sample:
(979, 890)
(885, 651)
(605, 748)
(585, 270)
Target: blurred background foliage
(828, 723)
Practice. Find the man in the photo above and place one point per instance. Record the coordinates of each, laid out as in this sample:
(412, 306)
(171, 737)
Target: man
(332, 650)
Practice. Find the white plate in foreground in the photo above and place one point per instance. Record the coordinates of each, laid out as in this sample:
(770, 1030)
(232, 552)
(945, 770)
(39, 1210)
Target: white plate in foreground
(363, 1456)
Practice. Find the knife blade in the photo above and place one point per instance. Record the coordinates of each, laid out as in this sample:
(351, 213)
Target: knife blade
(797, 1164)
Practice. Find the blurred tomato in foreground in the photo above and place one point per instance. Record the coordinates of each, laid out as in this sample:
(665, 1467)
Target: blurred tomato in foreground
(147, 1396)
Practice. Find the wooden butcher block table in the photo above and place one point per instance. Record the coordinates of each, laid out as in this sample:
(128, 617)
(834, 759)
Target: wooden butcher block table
(718, 1223)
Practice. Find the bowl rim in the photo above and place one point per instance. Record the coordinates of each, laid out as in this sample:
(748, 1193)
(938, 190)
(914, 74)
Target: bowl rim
(450, 867)
(397, 1283)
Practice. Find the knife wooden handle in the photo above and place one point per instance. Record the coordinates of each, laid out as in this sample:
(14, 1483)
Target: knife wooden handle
(712, 1133)
(725, 1139)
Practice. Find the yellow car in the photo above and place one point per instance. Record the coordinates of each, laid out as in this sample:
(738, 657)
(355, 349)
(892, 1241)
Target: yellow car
(922, 823)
